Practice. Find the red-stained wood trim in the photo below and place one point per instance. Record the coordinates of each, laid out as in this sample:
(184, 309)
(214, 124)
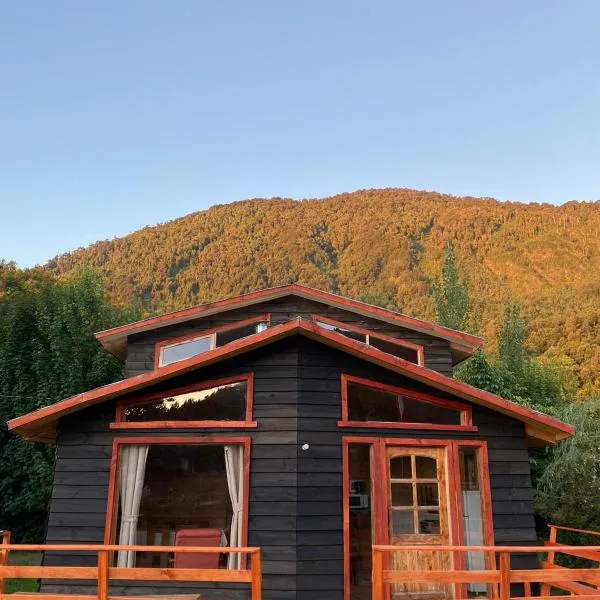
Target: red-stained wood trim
(205, 333)
(403, 425)
(111, 508)
(470, 341)
(466, 418)
(418, 348)
(39, 425)
(346, 515)
(374, 505)
(122, 405)
(184, 425)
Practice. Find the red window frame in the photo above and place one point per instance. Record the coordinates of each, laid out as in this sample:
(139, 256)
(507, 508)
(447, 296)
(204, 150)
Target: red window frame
(466, 417)
(204, 333)
(386, 338)
(122, 405)
(113, 496)
(379, 496)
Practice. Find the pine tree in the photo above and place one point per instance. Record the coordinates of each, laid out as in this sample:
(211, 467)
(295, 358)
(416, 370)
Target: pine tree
(450, 295)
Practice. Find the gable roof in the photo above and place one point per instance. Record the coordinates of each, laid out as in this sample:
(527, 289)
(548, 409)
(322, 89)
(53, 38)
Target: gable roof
(462, 344)
(40, 425)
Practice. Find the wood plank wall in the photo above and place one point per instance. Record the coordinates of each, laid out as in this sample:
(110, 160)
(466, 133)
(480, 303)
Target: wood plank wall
(295, 495)
(140, 355)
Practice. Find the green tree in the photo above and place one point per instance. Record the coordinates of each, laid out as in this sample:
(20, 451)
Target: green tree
(450, 295)
(47, 353)
(568, 489)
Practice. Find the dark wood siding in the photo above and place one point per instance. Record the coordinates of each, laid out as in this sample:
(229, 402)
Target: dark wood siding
(140, 348)
(295, 513)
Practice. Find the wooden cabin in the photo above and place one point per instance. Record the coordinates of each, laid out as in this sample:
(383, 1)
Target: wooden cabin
(301, 422)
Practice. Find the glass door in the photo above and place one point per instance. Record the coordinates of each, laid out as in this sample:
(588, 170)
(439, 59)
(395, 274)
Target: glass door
(417, 499)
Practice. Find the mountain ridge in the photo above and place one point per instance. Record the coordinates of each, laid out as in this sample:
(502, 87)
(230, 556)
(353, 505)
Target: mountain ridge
(385, 244)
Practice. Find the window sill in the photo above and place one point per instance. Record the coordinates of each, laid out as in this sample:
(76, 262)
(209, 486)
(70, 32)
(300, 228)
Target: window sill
(185, 425)
(414, 426)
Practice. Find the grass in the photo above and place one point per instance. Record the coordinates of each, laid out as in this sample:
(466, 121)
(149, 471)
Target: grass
(25, 559)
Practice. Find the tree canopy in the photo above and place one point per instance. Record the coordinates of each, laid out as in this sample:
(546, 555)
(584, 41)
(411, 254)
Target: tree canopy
(47, 353)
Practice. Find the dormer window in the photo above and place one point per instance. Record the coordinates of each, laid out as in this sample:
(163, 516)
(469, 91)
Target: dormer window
(174, 350)
(400, 348)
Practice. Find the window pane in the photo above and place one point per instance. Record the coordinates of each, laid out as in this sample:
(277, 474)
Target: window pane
(354, 335)
(230, 335)
(400, 467)
(171, 354)
(369, 404)
(426, 467)
(402, 494)
(403, 522)
(395, 349)
(429, 522)
(220, 403)
(472, 512)
(185, 491)
(427, 494)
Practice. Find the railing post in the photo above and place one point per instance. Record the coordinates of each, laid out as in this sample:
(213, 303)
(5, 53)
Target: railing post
(3, 558)
(504, 576)
(256, 575)
(377, 575)
(102, 575)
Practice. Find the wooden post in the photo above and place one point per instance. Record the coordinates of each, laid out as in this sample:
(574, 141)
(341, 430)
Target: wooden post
(377, 575)
(256, 575)
(545, 587)
(3, 558)
(102, 575)
(504, 576)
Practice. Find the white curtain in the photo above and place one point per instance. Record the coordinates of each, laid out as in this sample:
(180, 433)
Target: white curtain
(234, 466)
(132, 469)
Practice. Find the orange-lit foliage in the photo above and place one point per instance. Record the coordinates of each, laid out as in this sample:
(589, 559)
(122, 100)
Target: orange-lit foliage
(385, 244)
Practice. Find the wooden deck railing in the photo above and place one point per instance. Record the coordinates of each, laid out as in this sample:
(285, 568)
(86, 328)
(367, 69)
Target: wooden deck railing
(498, 574)
(104, 574)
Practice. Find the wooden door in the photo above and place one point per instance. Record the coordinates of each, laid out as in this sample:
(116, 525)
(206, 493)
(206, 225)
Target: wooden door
(418, 515)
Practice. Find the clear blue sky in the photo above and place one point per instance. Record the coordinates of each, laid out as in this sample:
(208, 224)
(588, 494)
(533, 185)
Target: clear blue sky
(119, 114)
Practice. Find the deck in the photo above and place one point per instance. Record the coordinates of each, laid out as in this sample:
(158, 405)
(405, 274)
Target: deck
(497, 580)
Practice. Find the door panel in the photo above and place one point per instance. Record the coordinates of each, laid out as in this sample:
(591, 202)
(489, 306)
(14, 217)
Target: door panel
(417, 499)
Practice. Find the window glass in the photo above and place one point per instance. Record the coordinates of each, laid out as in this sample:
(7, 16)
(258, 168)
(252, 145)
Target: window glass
(349, 333)
(409, 354)
(189, 348)
(220, 403)
(468, 460)
(183, 497)
(370, 404)
(171, 354)
(394, 348)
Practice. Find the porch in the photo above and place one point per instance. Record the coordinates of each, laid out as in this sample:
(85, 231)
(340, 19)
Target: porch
(499, 579)
(494, 576)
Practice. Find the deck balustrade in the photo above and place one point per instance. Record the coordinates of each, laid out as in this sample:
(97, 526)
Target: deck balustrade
(104, 574)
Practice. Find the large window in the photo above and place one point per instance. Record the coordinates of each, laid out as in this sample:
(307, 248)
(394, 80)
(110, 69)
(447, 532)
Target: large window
(188, 492)
(367, 403)
(400, 348)
(174, 350)
(220, 403)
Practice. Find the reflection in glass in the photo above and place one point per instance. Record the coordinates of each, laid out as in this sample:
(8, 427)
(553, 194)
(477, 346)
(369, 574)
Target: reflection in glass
(402, 494)
(400, 467)
(219, 403)
(429, 522)
(472, 512)
(402, 522)
(427, 494)
(176, 352)
(370, 404)
(426, 467)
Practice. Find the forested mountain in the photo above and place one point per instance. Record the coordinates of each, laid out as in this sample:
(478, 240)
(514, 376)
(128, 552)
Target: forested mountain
(381, 245)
